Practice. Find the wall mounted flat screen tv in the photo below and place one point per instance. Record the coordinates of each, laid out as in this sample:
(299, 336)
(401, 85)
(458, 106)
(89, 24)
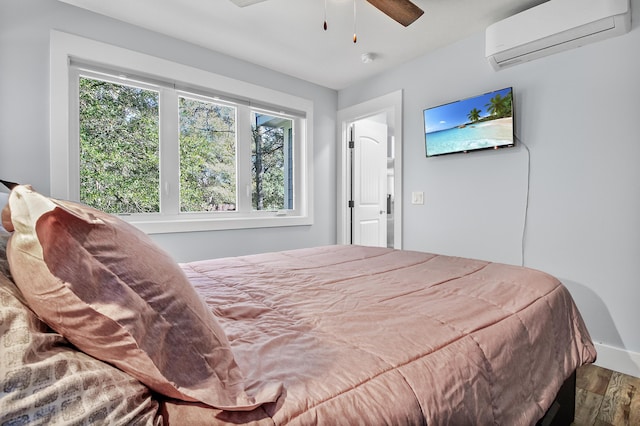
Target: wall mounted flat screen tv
(472, 124)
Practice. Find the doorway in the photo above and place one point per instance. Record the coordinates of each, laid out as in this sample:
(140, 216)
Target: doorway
(354, 224)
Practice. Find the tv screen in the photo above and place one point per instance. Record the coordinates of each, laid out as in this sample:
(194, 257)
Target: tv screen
(480, 122)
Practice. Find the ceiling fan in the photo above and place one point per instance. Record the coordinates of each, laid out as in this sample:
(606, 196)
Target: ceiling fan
(403, 11)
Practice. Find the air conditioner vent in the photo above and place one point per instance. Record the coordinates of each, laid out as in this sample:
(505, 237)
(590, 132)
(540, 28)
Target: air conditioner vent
(554, 26)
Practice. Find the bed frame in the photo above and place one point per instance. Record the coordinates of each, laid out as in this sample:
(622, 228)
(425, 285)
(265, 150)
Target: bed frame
(563, 409)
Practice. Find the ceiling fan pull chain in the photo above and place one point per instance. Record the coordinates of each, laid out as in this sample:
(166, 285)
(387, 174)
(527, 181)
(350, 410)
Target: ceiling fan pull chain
(355, 37)
(325, 15)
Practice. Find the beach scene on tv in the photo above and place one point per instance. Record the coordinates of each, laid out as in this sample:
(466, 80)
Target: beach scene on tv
(481, 122)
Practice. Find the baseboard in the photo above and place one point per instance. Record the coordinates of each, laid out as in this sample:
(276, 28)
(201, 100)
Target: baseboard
(617, 359)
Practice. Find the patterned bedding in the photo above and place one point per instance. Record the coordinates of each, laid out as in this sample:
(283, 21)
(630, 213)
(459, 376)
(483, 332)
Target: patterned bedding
(47, 381)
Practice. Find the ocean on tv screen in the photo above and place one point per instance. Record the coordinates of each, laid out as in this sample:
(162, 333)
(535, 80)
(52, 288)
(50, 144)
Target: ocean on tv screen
(488, 134)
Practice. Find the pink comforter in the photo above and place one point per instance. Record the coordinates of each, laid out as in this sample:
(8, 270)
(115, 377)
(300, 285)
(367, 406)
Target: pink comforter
(377, 336)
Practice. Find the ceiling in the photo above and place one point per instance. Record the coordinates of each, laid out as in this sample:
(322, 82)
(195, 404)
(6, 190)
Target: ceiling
(288, 35)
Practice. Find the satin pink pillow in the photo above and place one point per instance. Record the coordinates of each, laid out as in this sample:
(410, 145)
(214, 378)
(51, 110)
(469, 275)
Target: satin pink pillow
(107, 288)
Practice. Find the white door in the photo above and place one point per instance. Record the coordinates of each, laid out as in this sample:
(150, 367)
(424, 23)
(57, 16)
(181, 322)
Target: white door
(369, 183)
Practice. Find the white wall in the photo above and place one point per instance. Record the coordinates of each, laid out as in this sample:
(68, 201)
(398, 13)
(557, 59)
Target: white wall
(578, 112)
(24, 116)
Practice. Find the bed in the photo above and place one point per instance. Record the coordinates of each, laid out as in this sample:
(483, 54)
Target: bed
(325, 335)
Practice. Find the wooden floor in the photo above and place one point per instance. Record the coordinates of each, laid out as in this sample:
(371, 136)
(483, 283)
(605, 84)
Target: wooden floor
(605, 397)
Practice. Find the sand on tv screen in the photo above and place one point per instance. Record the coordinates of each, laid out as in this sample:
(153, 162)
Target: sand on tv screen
(472, 124)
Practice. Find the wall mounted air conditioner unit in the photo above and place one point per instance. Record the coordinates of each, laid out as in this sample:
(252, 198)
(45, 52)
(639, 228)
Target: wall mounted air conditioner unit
(552, 27)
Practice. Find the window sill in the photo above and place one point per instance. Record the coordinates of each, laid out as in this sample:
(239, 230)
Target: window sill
(164, 226)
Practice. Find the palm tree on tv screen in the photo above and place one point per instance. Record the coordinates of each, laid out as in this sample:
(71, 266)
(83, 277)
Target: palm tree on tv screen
(474, 115)
(499, 106)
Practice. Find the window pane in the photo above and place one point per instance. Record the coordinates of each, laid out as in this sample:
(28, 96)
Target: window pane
(119, 146)
(272, 168)
(207, 156)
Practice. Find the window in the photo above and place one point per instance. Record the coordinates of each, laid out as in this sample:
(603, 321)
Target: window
(119, 147)
(198, 152)
(272, 162)
(207, 156)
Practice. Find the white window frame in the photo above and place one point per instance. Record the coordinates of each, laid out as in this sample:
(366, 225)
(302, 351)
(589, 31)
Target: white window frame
(64, 154)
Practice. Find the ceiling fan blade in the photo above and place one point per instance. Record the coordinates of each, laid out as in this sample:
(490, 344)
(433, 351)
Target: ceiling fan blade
(402, 11)
(243, 3)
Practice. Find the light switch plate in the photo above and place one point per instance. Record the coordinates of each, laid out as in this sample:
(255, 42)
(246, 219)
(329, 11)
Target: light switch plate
(417, 197)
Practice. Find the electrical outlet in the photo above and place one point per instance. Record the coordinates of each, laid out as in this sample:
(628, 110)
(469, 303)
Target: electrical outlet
(417, 197)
